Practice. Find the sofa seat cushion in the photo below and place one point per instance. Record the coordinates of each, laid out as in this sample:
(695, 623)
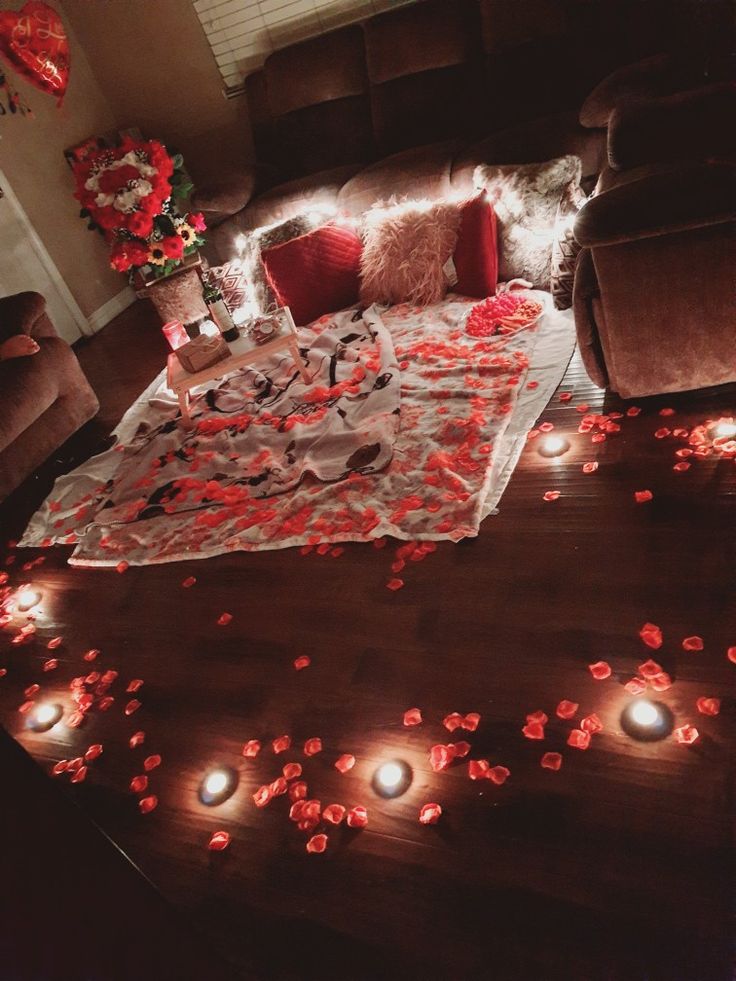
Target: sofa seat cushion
(29, 386)
(422, 172)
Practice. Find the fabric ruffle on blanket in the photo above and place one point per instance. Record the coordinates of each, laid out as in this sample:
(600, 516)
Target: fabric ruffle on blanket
(397, 435)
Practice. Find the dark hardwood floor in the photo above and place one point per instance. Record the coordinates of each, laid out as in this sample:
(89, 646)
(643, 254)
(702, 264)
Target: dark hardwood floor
(619, 867)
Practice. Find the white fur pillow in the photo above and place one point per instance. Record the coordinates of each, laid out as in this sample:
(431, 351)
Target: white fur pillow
(405, 248)
(525, 198)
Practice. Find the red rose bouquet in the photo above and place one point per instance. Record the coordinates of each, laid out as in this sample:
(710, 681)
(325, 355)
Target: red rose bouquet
(130, 193)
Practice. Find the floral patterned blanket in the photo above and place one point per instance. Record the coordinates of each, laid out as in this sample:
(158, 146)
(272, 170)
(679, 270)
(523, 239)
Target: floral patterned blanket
(396, 435)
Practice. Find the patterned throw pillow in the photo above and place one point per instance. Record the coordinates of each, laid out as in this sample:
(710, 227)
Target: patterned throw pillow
(565, 248)
(525, 198)
(231, 281)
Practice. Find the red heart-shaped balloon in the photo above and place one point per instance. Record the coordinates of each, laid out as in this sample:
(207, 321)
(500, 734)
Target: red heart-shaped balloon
(34, 43)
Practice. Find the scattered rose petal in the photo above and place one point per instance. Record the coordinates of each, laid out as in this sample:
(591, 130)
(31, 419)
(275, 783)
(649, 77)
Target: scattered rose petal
(461, 749)
(298, 791)
(538, 716)
(51, 665)
(219, 841)
(281, 744)
(75, 764)
(137, 739)
(551, 495)
(693, 644)
(662, 433)
(551, 761)
(32, 690)
(91, 654)
(61, 767)
(578, 739)
(649, 669)
(633, 410)
(189, 582)
(642, 496)
(667, 412)
(94, 752)
(334, 813)
(499, 775)
(566, 709)
(731, 654)
(147, 804)
(54, 643)
(292, 770)
(430, 814)
(600, 670)
(151, 762)
(546, 427)
(278, 787)
(302, 662)
(224, 619)
(565, 396)
(139, 784)
(412, 717)
(317, 844)
(394, 584)
(262, 796)
(357, 817)
(122, 566)
(452, 721)
(313, 746)
(471, 721)
(661, 681)
(478, 769)
(636, 686)
(682, 466)
(132, 706)
(251, 749)
(345, 762)
(533, 730)
(75, 720)
(708, 706)
(686, 734)
(79, 775)
(590, 467)
(651, 635)
(591, 723)
(135, 685)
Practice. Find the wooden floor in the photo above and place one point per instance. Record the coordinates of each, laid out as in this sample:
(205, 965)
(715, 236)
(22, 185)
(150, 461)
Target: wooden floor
(617, 867)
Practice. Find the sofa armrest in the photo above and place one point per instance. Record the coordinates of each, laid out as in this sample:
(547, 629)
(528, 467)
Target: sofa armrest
(586, 298)
(661, 201)
(24, 313)
(227, 195)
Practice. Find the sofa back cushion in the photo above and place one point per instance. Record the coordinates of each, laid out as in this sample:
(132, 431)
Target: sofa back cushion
(425, 68)
(317, 273)
(318, 98)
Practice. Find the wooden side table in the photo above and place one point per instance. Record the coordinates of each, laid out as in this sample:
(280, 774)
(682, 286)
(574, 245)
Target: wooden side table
(243, 352)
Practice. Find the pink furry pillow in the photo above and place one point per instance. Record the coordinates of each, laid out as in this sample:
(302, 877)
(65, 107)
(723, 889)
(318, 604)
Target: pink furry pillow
(405, 248)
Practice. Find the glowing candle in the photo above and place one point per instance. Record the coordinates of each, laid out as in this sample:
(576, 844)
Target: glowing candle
(552, 446)
(175, 334)
(726, 429)
(217, 786)
(27, 597)
(44, 716)
(646, 721)
(392, 779)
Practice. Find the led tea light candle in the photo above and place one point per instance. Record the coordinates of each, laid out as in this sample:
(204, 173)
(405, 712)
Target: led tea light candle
(554, 445)
(175, 333)
(646, 721)
(392, 779)
(725, 429)
(27, 597)
(218, 785)
(44, 716)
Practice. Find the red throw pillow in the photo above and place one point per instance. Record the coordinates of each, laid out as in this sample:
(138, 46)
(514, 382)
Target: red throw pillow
(476, 253)
(316, 273)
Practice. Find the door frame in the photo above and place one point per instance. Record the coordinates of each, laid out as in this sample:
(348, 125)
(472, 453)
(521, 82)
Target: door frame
(85, 328)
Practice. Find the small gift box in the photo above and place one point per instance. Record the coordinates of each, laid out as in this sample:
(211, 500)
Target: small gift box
(202, 352)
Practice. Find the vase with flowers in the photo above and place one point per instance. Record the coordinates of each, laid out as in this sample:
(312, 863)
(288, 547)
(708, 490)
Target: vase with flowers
(132, 194)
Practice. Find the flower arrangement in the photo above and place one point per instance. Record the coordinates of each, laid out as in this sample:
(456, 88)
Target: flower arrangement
(130, 193)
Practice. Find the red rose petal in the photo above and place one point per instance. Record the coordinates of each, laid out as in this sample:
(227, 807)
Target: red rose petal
(251, 749)
(334, 813)
(313, 746)
(430, 814)
(32, 690)
(533, 730)
(590, 467)
(661, 681)
(636, 686)
(51, 664)
(662, 433)
(551, 495)
(281, 744)
(139, 784)
(649, 669)
(600, 670)
(441, 756)
(578, 739)
(471, 721)
(478, 769)
(731, 654)
(693, 643)
(452, 721)
(566, 709)
(591, 723)
(412, 717)
(302, 662)
(295, 811)
(54, 643)
(565, 396)
(298, 791)
(79, 775)
(189, 582)
(686, 734)
(135, 685)
(357, 817)
(132, 706)
(538, 716)
(61, 767)
(317, 844)
(499, 775)
(278, 787)
(224, 619)
(151, 762)
(75, 720)
(262, 796)
(394, 584)
(147, 804)
(546, 427)
(137, 739)
(682, 466)
(219, 840)
(292, 770)
(94, 752)
(345, 762)
(633, 410)
(91, 654)
(122, 567)
(708, 706)
(461, 749)
(551, 761)
(75, 764)
(642, 496)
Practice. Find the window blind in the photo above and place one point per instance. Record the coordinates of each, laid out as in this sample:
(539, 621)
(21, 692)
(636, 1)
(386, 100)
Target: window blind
(242, 33)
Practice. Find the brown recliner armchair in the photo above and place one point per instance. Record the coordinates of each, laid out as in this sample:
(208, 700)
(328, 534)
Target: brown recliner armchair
(654, 299)
(44, 398)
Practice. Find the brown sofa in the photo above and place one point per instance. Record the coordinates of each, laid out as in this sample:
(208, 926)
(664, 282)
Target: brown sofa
(44, 398)
(654, 286)
(411, 99)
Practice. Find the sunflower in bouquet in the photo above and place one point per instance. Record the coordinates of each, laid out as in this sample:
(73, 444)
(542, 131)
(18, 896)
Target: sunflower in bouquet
(131, 193)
